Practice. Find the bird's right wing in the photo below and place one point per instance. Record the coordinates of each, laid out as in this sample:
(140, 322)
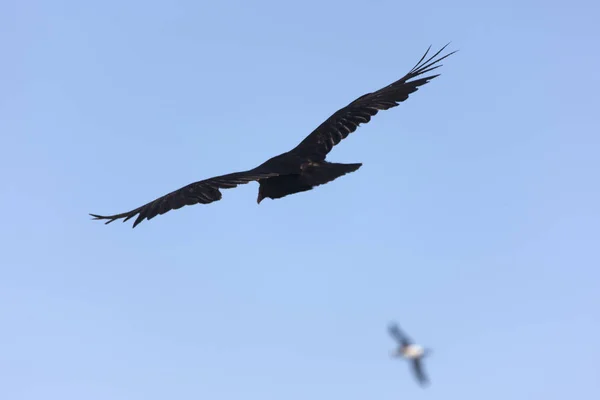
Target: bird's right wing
(397, 334)
(202, 192)
(347, 119)
(418, 370)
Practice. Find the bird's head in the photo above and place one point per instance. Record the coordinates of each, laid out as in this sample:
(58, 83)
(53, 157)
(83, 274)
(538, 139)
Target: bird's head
(261, 194)
(396, 353)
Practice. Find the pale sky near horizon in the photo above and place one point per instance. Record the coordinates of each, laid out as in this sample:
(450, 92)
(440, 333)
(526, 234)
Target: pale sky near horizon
(473, 221)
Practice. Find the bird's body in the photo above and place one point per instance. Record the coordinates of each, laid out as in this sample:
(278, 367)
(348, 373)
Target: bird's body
(311, 174)
(302, 168)
(410, 351)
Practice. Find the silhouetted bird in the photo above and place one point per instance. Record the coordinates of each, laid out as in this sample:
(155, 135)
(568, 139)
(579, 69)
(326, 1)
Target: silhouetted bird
(303, 167)
(410, 351)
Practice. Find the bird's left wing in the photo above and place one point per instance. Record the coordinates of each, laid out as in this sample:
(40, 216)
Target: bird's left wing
(346, 120)
(397, 334)
(202, 192)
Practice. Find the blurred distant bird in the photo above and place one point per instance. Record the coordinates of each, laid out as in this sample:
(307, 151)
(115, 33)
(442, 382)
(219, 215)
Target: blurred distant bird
(410, 351)
(304, 167)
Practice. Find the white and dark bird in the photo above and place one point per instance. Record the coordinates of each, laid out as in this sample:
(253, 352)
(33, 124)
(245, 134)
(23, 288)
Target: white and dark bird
(410, 351)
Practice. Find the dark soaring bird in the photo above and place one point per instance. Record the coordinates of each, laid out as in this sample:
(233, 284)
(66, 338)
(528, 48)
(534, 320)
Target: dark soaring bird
(303, 167)
(410, 351)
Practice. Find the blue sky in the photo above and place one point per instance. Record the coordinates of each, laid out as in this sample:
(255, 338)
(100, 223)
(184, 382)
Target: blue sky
(473, 221)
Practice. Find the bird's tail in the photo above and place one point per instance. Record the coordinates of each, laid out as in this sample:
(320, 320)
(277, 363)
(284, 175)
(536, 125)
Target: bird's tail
(323, 172)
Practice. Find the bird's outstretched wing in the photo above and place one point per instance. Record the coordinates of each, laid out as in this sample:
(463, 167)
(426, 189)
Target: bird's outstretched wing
(397, 334)
(203, 192)
(346, 120)
(418, 370)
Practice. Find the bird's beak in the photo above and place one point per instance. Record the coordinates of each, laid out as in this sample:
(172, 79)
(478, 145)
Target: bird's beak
(260, 198)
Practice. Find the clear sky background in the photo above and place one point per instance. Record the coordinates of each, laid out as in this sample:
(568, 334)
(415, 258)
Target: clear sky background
(473, 223)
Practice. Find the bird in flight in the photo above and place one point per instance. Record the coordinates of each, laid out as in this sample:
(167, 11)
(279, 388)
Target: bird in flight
(304, 167)
(410, 351)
